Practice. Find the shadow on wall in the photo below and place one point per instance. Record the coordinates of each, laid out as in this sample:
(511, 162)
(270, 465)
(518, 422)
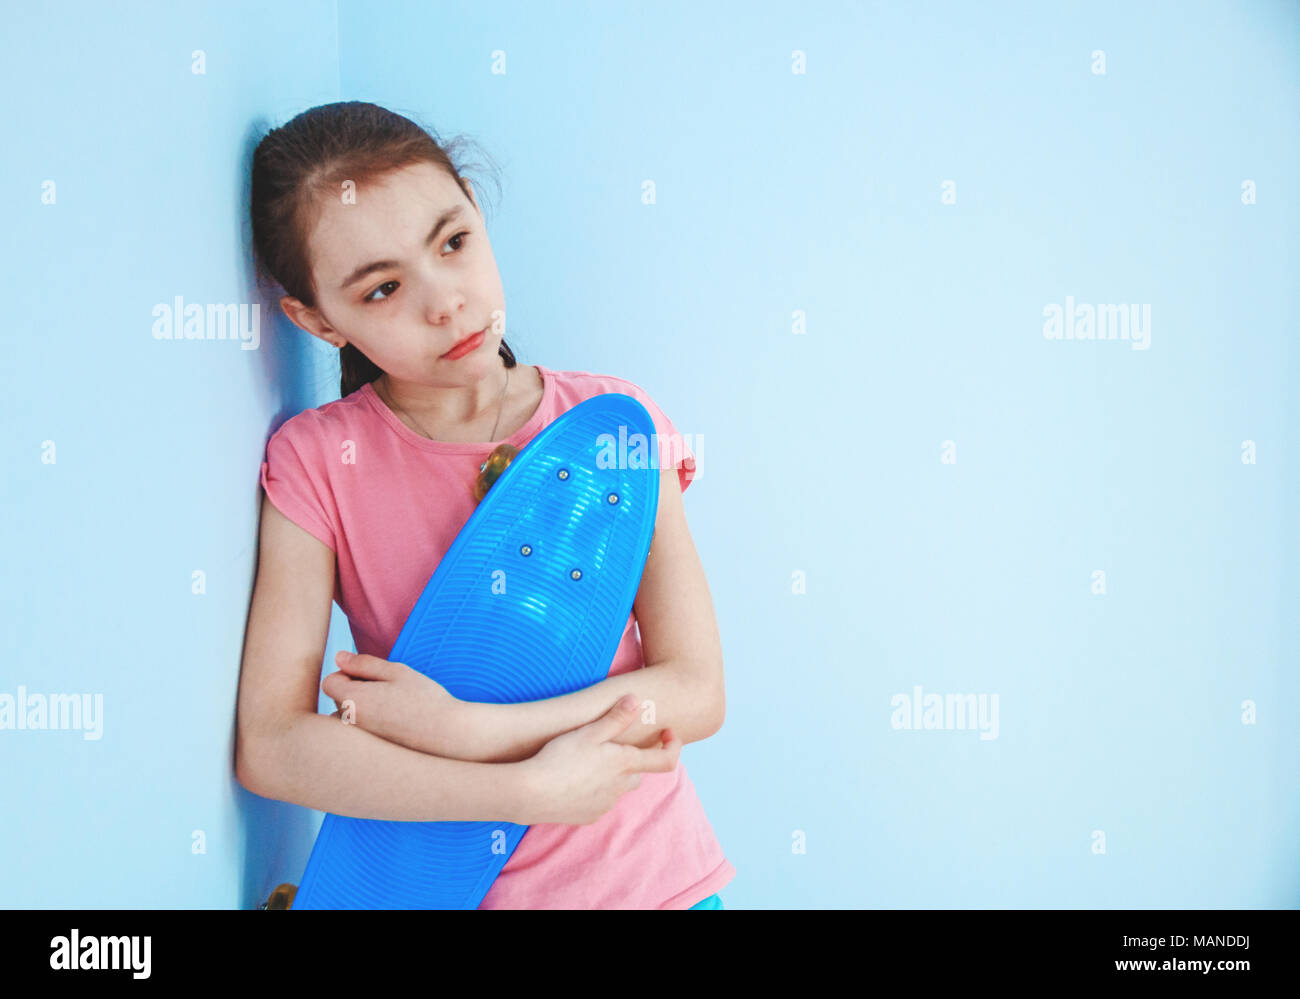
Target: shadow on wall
(277, 836)
(277, 839)
(293, 372)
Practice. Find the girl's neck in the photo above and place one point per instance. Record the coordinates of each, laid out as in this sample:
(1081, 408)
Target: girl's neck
(454, 409)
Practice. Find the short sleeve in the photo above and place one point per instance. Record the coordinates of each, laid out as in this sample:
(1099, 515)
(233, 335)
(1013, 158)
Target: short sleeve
(675, 450)
(295, 488)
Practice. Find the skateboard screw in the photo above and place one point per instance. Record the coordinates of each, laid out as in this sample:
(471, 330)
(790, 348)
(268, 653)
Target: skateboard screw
(526, 550)
(576, 574)
(613, 497)
(563, 473)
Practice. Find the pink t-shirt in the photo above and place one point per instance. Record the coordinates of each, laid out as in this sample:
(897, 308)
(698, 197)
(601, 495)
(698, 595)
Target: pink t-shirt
(389, 502)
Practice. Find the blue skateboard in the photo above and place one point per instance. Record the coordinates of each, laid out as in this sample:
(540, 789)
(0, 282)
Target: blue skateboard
(529, 602)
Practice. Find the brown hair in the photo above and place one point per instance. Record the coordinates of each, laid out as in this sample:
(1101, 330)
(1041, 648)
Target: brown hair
(308, 158)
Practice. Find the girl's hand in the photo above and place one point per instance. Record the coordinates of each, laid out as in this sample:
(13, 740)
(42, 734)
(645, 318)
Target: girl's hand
(399, 704)
(579, 776)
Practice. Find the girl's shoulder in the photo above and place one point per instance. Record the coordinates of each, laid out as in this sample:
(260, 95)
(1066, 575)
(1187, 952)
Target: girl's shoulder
(572, 387)
(677, 450)
(575, 386)
(327, 419)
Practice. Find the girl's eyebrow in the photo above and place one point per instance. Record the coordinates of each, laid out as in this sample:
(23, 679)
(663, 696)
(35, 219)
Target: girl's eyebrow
(450, 215)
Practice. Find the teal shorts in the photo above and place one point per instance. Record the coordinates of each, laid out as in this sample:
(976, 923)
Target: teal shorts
(712, 902)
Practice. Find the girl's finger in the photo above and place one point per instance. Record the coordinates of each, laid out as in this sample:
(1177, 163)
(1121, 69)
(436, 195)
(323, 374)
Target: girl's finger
(363, 667)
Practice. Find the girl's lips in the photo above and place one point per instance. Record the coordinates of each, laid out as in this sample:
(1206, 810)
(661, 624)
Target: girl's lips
(465, 346)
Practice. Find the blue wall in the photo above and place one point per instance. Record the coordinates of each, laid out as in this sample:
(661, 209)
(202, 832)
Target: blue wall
(851, 559)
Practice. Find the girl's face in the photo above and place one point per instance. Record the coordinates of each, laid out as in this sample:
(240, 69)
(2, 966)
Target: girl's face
(405, 274)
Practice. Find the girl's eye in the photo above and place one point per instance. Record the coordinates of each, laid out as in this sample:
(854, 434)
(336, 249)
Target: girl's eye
(369, 299)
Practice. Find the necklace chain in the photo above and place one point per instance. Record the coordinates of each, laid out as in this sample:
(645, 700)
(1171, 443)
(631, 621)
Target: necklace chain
(500, 408)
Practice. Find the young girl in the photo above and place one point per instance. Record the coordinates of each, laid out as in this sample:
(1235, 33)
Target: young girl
(379, 243)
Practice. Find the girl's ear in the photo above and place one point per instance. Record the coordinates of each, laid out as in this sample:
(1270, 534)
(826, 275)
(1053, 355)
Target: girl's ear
(309, 321)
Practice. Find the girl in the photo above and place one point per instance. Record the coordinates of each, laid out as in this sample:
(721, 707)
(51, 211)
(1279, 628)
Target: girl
(378, 241)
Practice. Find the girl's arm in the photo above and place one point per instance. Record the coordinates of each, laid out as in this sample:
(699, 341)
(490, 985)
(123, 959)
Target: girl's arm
(286, 750)
(681, 685)
(319, 762)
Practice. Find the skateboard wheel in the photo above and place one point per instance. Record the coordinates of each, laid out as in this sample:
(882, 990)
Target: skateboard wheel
(282, 897)
(490, 470)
